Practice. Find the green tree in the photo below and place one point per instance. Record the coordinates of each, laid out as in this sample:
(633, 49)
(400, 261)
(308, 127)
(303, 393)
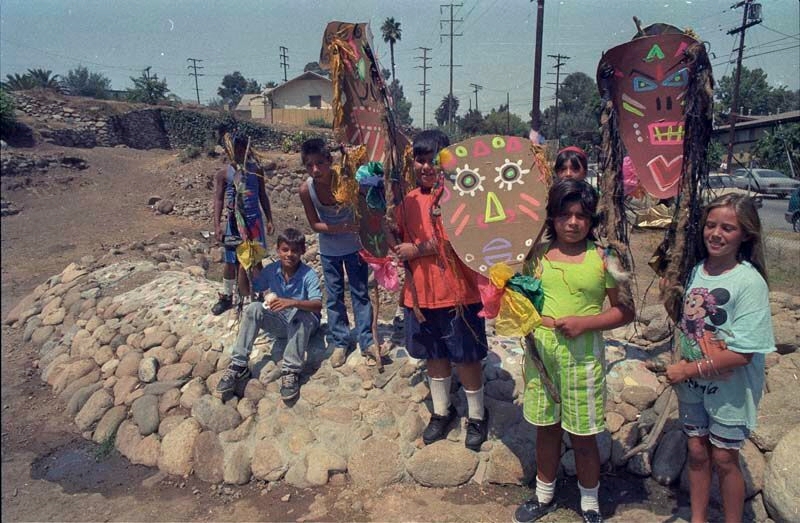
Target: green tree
(775, 149)
(402, 107)
(442, 113)
(270, 85)
(7, 117)
(754, 93)
(81, 82)
(18, 82)
(44, 78)
(472, 123)
(498, 121)
(391, 34)
(234, 86)
(148, 89)
(578, 112)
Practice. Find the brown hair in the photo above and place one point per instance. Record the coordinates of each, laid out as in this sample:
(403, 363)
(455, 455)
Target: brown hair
(752, 247)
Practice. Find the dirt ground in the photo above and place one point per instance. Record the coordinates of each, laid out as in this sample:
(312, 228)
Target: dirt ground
(50, 473)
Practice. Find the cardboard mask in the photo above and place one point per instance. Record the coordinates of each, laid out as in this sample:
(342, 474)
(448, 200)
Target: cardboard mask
(493, 204)
(646, 79)
(360, 104)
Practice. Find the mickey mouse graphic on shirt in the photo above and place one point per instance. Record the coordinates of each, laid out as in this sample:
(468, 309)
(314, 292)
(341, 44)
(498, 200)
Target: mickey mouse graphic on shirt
(698, 306)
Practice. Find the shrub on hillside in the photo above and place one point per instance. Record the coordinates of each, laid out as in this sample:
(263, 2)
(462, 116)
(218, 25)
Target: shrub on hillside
(7, 117)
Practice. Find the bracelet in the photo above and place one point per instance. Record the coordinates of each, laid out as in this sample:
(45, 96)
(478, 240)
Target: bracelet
(714, 370)
(699, 370)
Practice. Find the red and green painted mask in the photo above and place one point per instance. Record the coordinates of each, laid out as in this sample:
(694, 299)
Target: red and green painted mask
(647, 80)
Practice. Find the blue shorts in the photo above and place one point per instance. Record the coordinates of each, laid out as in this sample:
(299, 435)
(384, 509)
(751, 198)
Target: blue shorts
(451, 334)
(697, 423)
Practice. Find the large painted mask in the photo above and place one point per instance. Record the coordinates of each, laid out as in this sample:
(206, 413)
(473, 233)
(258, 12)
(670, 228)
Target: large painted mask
(493, 204)
(647, 80)
(361, 115)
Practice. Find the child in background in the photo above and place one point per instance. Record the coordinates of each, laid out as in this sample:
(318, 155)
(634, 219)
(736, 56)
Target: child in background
(576, 282)
(447, 295)
(290, 310)
(724, 333)
(571, 163)
(256, 208)
(338, 248)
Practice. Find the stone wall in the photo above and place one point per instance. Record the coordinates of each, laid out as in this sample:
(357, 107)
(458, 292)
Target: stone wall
(152, 127)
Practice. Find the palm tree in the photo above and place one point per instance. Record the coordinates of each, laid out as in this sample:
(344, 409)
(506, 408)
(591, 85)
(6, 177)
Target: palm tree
(44, 78)
(18, 82)
(391, 34)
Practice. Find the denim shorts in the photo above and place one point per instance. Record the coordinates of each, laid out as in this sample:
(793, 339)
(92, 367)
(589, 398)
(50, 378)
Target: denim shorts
(697, 423)
(458, 336)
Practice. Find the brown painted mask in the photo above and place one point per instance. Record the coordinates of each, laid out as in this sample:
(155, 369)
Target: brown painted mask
(647, 80)
(493, 206)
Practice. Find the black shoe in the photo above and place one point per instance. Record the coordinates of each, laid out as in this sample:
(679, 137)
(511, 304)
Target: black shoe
(591, 516)
(477, 432)
(437, 427)
(290, 386)
(232, 375)
(223, 304)
(532, 510)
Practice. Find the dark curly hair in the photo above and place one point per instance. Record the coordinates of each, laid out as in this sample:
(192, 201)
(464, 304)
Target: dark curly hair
(565, 192)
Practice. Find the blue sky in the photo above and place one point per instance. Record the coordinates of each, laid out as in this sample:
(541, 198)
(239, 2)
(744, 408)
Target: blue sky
(495, 49)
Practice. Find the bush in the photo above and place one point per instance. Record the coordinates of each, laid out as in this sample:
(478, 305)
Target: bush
(8, 119)
(292, 142)
(189, 153)
(319, 122)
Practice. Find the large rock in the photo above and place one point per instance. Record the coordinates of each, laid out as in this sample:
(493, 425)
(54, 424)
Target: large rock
(375, 463)
(214, 415)
(236, 464)
(109, 423)
(145, 414)
(93, 410)
(208, 457)
(321, 463)
(777, 414)
(443, 464)
(669, 457)
(268, 462)
(512, 464)
(176, 455)
(782, 482)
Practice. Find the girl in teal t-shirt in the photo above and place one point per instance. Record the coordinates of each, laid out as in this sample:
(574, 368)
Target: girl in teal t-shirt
(724, 333)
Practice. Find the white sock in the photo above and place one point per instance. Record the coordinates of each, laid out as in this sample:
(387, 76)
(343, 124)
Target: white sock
(228, 286)
(440, 394)
(474, 403)
(589, 498)
(545, 491)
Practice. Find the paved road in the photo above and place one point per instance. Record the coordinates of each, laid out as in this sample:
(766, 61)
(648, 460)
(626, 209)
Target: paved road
(771, 214)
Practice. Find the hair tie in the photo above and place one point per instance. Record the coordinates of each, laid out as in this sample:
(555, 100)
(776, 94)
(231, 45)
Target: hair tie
(573, 148)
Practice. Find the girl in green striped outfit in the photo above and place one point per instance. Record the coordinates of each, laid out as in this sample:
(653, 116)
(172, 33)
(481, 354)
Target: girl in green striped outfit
(576, 282)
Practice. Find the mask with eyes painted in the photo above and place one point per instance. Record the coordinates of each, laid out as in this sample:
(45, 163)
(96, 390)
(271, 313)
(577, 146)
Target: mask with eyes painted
(493, 205)
(646, 79)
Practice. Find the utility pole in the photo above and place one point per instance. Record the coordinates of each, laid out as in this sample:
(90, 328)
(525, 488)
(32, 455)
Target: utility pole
(557, 67)
(424, 83)
(284, 61)
(476, 88)
(195, 74)
(536, 113)
(754, 19)
(451, 65)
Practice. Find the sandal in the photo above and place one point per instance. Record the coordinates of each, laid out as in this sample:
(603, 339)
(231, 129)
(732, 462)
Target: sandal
(369, 359)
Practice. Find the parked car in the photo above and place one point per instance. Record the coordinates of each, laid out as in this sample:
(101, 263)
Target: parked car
(721, 183)
(792, 213)
(765, 181)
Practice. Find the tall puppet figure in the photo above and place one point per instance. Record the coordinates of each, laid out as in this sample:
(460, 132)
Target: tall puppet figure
(657, 100)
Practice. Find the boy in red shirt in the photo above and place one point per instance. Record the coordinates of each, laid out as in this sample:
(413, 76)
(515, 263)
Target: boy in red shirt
(447, 295)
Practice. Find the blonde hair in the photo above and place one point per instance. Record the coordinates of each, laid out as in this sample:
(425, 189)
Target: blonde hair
(752, 248)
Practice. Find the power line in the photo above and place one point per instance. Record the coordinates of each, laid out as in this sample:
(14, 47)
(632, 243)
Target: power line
(476, 88)
(452, 36)
(749, 19)
(424, 83)
(284, 60)
(195, 74)
(557, 67)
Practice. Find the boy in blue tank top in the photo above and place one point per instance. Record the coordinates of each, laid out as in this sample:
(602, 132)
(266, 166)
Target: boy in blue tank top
(339, 244)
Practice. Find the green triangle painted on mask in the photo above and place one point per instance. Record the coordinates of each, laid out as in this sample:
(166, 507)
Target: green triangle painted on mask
(494, 209)
(655, 52)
